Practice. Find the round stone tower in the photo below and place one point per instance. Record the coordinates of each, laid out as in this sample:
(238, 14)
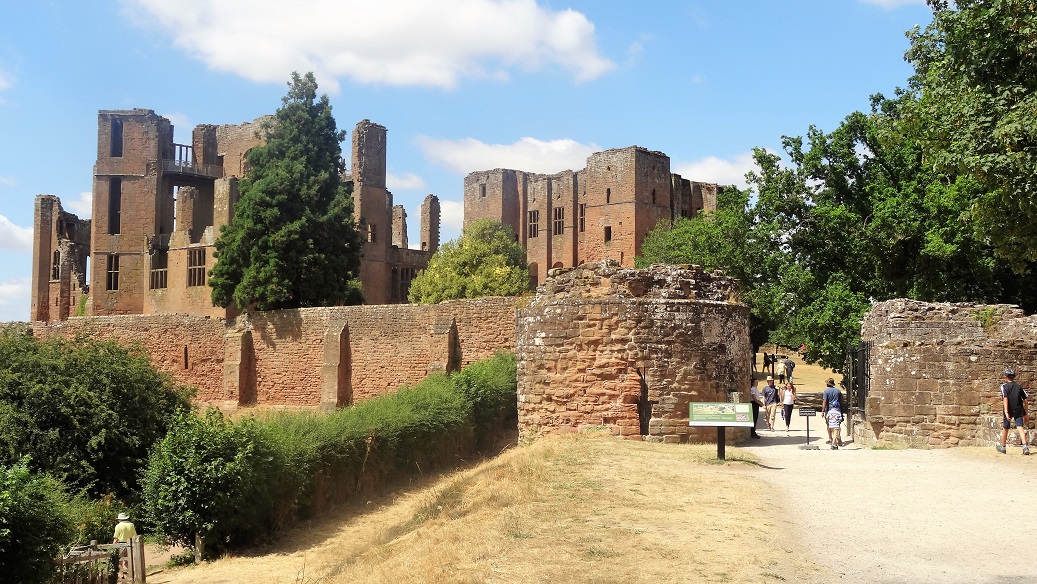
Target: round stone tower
(629, 349)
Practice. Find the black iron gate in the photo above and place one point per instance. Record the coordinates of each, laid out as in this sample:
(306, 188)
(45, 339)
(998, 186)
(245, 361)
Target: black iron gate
(857, 376)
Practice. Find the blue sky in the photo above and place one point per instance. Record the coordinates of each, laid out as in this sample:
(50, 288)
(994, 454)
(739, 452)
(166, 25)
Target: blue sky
(461, 85)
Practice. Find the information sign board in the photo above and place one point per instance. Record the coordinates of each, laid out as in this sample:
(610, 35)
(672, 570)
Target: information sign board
(720, 414)
(807, 412)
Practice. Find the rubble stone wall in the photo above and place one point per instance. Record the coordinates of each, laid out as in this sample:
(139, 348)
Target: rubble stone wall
(597, 340)
(936, 372)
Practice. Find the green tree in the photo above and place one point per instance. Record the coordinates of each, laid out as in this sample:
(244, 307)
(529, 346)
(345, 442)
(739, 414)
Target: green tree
(34, 524)
(292, 241)
(485, 261)
(87, 411)
(211, 477)
(976, 113)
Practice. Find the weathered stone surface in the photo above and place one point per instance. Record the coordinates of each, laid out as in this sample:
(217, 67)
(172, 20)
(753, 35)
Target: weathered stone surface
(596, 336)
(936, 371)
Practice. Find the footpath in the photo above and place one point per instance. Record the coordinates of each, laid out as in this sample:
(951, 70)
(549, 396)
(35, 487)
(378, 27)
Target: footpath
(960, 515)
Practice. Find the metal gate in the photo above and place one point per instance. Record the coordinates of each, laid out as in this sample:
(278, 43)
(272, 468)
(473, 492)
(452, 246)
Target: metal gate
(857, 377)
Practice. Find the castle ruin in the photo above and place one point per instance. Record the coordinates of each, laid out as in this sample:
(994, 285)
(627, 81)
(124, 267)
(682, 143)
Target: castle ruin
(602, 212)
(157, 210)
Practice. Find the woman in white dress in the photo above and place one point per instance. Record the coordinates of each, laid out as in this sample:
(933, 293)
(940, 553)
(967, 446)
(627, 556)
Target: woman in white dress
(788, 399)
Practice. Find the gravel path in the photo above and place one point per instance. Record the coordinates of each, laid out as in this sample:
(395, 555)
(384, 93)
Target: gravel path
(903, 516)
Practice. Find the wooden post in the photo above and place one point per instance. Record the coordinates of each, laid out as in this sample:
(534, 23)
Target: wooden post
(721, 440)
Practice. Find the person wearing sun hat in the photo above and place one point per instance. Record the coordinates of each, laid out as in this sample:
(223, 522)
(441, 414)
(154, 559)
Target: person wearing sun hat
(124, 530)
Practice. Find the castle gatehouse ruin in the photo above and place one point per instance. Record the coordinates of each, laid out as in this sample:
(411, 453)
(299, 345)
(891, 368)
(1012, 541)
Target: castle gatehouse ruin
(629, 349)
(933, 372)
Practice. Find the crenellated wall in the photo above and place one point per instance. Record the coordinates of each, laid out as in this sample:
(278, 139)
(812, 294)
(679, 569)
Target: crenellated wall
(630, 349)
(936, 371)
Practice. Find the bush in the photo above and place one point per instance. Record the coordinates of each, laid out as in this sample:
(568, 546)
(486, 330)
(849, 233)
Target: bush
(290, 464)
(87, 411)
(34, 524)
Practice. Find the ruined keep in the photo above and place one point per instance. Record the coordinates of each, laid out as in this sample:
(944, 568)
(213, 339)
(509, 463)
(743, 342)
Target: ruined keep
(934, 372)
(629, 349)
(158, 207)
(602, 212)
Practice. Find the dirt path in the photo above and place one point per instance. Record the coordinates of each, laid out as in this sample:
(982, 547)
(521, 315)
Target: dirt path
(897, 516)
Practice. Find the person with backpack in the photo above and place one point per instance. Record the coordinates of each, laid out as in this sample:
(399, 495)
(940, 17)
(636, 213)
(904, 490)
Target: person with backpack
(790, 365)
(831, 398)
(1013, 398)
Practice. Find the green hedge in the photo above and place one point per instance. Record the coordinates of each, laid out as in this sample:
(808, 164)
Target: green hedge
(238, 482)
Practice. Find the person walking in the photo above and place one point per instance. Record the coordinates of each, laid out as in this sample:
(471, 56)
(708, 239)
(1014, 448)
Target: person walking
(788, 400)
(835, 418)
(1013, 398)
(757, 401)
(830, 398)
(770, 401)
(790, 365)
(779, 370)
(124, 530)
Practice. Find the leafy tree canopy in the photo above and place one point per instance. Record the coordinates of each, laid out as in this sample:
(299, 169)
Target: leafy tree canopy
(292, 241)
(87, 411)
(34, 524)
(485, 261)
(976, 113)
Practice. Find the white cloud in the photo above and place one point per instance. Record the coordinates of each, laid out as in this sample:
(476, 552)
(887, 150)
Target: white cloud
(529, 154)
(13, 237)
(407, 181)
(7, 181)
(15, 299)
(721, 171)
(81, 206)
(890, 4)
(451, 219)
(182, 127)
(392, 42)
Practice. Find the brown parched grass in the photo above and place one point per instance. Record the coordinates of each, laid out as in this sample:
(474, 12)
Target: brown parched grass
(581, 508)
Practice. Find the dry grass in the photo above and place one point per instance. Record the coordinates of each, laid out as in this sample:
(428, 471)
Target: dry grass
(808, 377)
(583, 508)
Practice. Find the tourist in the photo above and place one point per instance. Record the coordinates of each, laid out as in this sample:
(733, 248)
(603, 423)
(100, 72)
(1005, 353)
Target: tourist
(770, 400)
(788, 400)
(789, 366)
(124, 530)
(757, 401)
(830, 398)
(1013, 398)
(834, 418)
(779, 369)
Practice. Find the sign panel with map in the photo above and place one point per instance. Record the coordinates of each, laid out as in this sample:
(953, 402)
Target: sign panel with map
(720, 414)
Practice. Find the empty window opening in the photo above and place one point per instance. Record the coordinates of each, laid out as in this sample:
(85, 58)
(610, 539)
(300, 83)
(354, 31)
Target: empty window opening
(55, 269)
(115, 147)
(558, 227)
(186, 363)
(196, 266)
(533, 228)
(159, 270)
(482, 191)
(608, 196)
(372, 233)
(653, 196)
(114, 206)
(608, 234)
(583, 217)
(424, 246)
(112, 279)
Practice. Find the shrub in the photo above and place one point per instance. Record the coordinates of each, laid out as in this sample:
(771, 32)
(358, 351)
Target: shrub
(237, 482)
(87, 411)
(34, 524)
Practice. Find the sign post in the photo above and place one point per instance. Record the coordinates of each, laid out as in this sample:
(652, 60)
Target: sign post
(721, 415)
(808, 413)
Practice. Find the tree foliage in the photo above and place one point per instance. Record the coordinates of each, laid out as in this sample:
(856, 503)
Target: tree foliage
(87, 411)
(34, 524)
(976, 113)
(292, 241)
(485, 261)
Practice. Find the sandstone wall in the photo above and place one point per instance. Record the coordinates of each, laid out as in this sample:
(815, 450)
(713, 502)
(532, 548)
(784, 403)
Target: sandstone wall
(597, 340)
(936, 370)
(313, 357)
